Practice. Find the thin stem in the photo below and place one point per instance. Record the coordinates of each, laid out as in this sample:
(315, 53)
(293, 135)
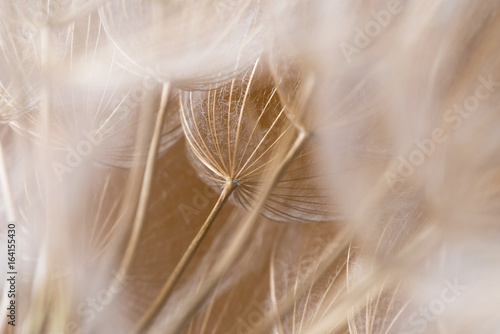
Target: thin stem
(146, 184)
(240, 240)
(148, 318)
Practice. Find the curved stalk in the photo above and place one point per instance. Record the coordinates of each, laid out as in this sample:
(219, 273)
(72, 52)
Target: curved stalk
(150, 315)
(146, 186)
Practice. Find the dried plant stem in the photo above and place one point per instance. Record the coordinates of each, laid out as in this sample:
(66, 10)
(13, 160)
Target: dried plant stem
(166, 291)
(146, 186)
(243, 235)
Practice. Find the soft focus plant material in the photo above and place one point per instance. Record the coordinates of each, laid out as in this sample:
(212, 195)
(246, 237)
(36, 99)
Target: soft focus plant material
(249, 166)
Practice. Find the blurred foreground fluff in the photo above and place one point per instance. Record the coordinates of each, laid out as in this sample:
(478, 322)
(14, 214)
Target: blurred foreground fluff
(268, 166)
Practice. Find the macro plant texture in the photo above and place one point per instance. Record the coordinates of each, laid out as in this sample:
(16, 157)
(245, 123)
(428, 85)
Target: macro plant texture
(249, 166)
